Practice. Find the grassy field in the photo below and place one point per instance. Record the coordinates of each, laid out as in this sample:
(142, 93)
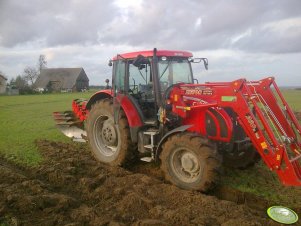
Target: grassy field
(25, 119)
(293, 97)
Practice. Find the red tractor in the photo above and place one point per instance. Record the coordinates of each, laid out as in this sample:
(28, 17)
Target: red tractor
(157, 111)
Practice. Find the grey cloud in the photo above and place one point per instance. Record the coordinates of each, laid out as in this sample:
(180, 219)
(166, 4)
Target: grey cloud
(57, 23)
(268, 40)
(172, 24)
(169, 23)
(87, 33)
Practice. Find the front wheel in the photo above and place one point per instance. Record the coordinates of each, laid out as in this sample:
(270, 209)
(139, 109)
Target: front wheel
(239, 158)
(190, 162)
(110, 143)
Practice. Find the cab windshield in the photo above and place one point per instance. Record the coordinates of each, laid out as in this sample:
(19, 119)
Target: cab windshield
(174, 70)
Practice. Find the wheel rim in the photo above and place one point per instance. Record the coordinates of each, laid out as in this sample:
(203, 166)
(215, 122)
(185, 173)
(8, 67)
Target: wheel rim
(186, 165)
(105, 135)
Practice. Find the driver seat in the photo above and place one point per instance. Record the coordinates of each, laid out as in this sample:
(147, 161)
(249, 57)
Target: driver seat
(147, 92)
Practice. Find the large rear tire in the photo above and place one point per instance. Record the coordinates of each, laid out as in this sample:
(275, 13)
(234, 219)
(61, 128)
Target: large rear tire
(190, 162)
(238, 155)
(242, 158)
(110, 143)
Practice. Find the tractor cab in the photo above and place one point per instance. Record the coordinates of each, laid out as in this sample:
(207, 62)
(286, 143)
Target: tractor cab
(145, 76)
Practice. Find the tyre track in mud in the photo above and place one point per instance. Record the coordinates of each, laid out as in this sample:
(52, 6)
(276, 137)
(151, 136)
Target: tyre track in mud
(70, 188)
(27, 200)
(222, 192)
(39, 191)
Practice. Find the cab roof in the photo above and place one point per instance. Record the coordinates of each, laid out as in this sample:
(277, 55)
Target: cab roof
(150, 53)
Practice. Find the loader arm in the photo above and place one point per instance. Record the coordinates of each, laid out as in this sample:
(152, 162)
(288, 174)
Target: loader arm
(262, 112)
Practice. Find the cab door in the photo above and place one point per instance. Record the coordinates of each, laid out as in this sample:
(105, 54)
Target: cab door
(119, 76)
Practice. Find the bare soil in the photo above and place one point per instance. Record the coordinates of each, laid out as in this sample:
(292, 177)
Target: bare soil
(71, 188)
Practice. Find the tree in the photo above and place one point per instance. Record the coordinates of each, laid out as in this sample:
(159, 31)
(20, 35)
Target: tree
(30, 74)
(12, 83)
(42, 63)
(20, 82)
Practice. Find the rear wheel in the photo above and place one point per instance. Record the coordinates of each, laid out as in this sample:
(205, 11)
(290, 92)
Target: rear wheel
(240, 158)
(109, 143)
(190, 162)
(239, 153)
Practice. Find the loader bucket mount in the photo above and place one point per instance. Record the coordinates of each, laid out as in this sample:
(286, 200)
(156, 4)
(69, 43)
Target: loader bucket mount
(281, 149)
(269, 122)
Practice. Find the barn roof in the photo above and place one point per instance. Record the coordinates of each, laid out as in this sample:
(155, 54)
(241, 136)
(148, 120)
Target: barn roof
(66, 76)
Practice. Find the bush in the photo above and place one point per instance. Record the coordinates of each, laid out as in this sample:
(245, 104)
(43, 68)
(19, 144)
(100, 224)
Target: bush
(27, 90)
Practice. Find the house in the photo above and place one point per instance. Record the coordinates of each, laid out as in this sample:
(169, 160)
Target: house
(2, 84)
(62, 79)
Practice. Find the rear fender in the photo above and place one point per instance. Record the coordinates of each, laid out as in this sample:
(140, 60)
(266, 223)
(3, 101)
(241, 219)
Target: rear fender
(130, 110)
(103, 94)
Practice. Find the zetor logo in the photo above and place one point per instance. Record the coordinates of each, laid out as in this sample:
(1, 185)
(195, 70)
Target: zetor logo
(198, 91)
(252, 123)
(194, 92)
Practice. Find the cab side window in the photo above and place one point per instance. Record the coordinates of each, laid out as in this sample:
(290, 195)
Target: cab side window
(137, 77)
(119, 76)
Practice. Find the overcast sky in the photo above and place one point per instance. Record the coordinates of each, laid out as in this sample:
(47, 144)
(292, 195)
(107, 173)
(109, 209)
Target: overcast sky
(241, 38)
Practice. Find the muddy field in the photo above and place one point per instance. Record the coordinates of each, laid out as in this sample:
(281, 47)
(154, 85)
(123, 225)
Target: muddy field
(71, 188)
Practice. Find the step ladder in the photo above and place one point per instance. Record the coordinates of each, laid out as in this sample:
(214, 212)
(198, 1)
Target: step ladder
(151, 146)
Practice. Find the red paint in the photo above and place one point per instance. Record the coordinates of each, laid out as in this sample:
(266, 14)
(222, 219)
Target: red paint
(130, 111)
(193, 101)
(150, 53)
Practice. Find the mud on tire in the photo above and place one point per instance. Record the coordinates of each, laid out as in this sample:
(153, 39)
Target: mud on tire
(110, 144)
(190, 162)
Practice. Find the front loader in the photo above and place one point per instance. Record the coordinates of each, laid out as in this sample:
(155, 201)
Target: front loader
(157, 111)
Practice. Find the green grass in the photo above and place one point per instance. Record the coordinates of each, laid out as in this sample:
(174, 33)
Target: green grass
(293, 97)
(259, 180)
(23, 119)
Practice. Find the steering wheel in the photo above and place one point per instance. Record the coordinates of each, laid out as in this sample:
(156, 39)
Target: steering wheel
(165, 83)
(130, 91)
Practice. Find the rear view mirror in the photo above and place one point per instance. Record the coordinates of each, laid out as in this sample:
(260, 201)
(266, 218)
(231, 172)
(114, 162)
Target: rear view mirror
(198, 60)
(205, 60)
